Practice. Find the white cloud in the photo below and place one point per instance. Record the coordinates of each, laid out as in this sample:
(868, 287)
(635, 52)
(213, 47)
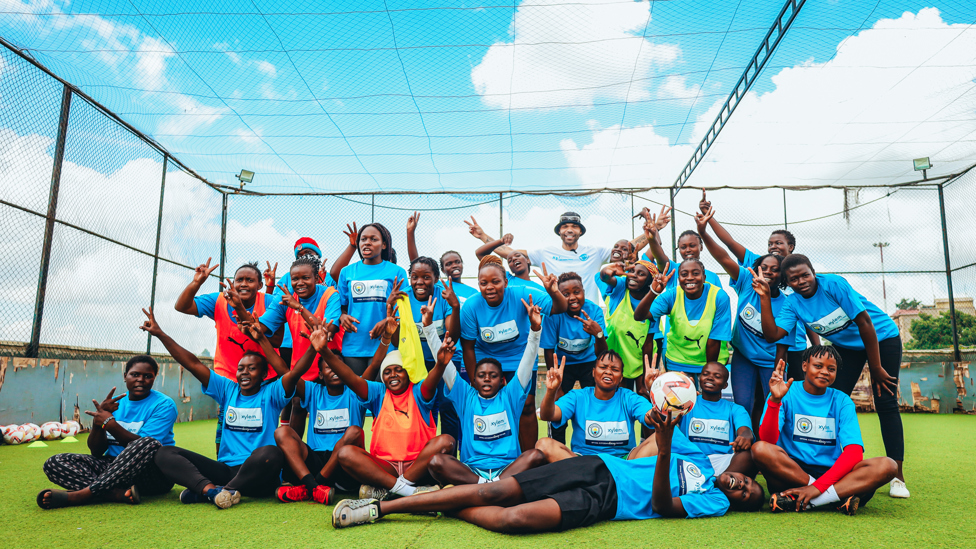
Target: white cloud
(249, 136)
(587, 50)
(267, 68)
(676, 87)
(642, 157)
(151, 66)
(232, 55)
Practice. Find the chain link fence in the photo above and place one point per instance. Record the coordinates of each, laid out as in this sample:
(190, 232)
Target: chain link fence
(97, 222)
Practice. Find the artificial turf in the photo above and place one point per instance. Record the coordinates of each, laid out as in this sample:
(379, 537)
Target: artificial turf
(941, 460)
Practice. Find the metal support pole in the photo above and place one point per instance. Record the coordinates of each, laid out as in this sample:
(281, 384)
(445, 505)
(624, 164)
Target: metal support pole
(952, 301)
(501, 224)
(786, 224)
(52, 208)
(223, 236)
(159, 230)
(633, 235)
(674, 221)
(372, 208)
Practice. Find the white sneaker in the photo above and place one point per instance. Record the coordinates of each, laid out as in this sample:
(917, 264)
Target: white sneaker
(898, 489)
(353, 512)
(227, 498)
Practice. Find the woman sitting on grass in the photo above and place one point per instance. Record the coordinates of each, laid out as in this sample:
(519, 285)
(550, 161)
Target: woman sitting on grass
(127, 431)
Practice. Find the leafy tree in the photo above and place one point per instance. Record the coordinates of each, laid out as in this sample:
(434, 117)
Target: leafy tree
(935, 332)
(909, 304)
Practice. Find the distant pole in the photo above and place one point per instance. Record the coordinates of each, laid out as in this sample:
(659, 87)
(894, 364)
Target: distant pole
(501, 224)
(881, 246)
(786, 224)
(952, 300)
(159, 230)
(674, 219)
(632, 233)
(223, 236)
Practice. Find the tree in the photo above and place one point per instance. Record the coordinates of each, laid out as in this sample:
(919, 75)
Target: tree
(909, 304)
(935, 332)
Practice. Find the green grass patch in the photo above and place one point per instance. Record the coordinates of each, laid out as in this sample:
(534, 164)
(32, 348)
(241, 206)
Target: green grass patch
(940, 461)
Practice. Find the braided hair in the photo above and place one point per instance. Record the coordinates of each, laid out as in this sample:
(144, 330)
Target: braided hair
(490, 261)
(253, 266)
(690, 232)
(823, 350)
(693, 260)
(389, 254)
(426, 261)
(311, 260)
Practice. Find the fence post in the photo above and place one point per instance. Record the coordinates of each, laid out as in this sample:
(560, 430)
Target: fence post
(674, 221)
(952, 300)
(372, 209)
(501, 224)
(223, 236)
(632, 234)
(52, 208)
(159, 230)
(786, 224)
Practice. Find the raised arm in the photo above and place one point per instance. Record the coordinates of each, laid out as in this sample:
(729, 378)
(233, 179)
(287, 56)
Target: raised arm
(593, 328)
(661, 501)
(643, 240)
(476, 231)
(730, 265)
(185, 303)
(530, 357)
(346, 256)
(187, 360)
(548, 411)
(551, 283)
(643, 310)
(428, 389)
(737, 249)
(254, 331)
(651, 231)
(771, 332)
(496, 246)
(390, 328)
(453, 321)
(103, 422)
(610, 272)
(293, 377)
(348, 377)
(411, 241)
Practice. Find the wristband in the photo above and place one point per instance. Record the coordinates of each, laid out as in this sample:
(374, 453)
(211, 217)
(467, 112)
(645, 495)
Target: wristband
(104, 423)
(385, 343)
(651, 289)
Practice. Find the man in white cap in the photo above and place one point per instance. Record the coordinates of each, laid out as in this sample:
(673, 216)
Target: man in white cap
(584, 260)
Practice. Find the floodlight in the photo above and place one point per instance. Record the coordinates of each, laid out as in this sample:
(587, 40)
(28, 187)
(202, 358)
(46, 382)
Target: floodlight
(922, 164)
(246, 176)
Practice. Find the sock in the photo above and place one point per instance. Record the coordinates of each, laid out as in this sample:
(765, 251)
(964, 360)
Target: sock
(319, 479)
(403, 487)
(309, 482)
(830, 496)
(812, 480)
(482, 480)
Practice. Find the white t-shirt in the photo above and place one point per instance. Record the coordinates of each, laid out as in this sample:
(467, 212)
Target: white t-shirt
(584, 261)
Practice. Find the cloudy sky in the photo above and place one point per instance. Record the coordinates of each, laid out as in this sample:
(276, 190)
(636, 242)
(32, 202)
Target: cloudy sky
(387, 96)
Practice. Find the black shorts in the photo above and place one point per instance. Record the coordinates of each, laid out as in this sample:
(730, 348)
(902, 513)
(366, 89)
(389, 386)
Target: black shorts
(581, 486)
(315, 461)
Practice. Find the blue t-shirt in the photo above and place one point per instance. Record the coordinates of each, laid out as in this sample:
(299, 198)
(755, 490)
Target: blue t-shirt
(274, 317)
(152, 416)
(602, 426)
(603, 286)
(502, 332)
(441, 311)
(363, 290)
(463, 291)
(489, 427)
(721, 323)
(516, 281)
(692, 480)
(710, 276)
(249, 421)
(207, 303)
(747, 334)
(830, 313)
(377, 393)
(615, 297)
(286, 282)
(748, 258)
(815, 429)
(565, 335)
(712, 426)
(330, 416)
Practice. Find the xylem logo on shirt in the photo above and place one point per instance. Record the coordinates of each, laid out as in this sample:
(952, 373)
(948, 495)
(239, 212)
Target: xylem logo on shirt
(831, 323)
(132, 426)
(369, 290)
(573, 346)
(491, 427)
(500, 333)
(328, 422)
(709, 431)
(607, 433)
(814, 430)
(244, 420)
(437, 324)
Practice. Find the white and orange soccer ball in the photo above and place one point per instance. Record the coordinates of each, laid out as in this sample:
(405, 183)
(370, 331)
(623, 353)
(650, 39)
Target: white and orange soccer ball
(70, 428)
(51, 430)
(14, 434)
(674, 392)
(33, 431)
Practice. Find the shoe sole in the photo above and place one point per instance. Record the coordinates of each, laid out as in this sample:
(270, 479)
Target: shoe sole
(369, 492)
(226, 499)
(852, 507)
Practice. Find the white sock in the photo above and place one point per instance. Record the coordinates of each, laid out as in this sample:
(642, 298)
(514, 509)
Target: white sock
(403, 487)
(830, 496)
(812, 480)
(482, 480)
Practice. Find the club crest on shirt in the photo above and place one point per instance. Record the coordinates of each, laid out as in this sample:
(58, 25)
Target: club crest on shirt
(231, 415)
(697, 426)
(358, 288)
(487, 335)
(595, 430)
(804, 425)
(480, 425)
(693, 470)
(584, 257)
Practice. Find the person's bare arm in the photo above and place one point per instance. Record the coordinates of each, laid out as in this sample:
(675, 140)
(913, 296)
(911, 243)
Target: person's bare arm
(255, 332)
(411, 240)
(730, 265)
(185, 303)
(500, 248)
(643, 310)
(661, 501)
(346, 256)
(732, 244)
(814, 336)
(428, 388)
(548, 411)
(771, 331)
(185, 358)
(551, 284)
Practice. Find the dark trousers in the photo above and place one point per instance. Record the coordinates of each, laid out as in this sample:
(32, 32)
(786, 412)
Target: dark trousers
(101, 474)
(257, 477)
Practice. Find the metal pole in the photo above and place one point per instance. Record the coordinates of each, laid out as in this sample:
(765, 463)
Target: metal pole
(501, 224)
(159, 230)
(223, 237)
(372, 208)
(674, 220)
(632, 214)
(786, 224)
(952, 301)
(52, 208)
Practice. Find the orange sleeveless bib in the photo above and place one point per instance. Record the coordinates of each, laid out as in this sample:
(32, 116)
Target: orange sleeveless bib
(300, 344)
(400, 431)
(231, 343)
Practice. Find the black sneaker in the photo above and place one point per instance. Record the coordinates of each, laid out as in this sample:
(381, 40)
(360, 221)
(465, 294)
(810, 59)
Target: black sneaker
(780, 503)
(849, 506)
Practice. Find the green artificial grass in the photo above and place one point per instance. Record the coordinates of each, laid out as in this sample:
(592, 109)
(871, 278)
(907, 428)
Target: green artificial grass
(941, 459)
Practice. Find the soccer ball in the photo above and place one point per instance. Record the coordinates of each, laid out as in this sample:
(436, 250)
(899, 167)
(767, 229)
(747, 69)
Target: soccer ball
(675, 392)
(7, 428)
(70, 428)
(32, 430)
(14, 434)
(51, 430)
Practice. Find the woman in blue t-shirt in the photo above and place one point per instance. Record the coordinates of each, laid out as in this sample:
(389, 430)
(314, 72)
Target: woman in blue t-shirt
(248, 462)
(494, 324)
(859, 330)
(126, 432)
(363, 290)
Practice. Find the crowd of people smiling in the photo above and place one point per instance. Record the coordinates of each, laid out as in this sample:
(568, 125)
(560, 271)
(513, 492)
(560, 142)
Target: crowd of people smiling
(302, 361)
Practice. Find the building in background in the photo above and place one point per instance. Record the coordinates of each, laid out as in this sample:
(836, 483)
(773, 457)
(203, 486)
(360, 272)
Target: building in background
(904, 317)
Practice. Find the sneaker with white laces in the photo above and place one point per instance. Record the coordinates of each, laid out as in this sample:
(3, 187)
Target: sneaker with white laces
(373, 492)
(353, 512)
(898, 489)
(227, 498)
(426, 489)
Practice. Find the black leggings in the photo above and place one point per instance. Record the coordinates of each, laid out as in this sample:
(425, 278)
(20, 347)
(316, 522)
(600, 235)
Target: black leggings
(582, 372)
(885, 405)
(257, 477)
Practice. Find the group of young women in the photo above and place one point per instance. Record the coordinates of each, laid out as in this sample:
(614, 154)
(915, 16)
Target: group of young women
(416, 351)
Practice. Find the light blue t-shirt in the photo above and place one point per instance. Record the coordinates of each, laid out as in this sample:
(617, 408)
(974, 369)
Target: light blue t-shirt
(286, 282)
(441, 311)
(463, 291)
(274, 316)
(815, 429)
(152, 416)
(565, 335)
(377, 393)
(249, 421)
(516, 281)
(747, 334)
(692, 480)
(712, 426)
(615, 297)
(748, 258)
(602, 426)
(330, 416)
(489, 427)
(207, 303)
(502, 332)
(694, 308)
(363, 290)
(830, 313)
(603, 286)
